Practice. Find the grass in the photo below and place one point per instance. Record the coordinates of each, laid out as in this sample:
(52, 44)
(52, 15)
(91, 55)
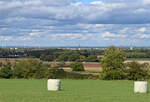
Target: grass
(72, 91)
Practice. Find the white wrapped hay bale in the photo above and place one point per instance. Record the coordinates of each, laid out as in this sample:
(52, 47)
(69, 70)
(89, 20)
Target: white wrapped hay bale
(140, 87)
(53, 84)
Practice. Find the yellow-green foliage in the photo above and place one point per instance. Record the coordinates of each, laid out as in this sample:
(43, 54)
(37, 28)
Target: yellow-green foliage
(29, 68)
(113, 64)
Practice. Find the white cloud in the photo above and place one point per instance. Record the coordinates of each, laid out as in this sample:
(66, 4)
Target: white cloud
(35, 33)
(112, 35)
(97, 3)
(15, 19)
(124, 30)
(71, 36)
(6, 38)
(143, 29)
(142, 36)
(146, 2)
(24, 38)
(141, 10)
(77, 4)
(99, 25)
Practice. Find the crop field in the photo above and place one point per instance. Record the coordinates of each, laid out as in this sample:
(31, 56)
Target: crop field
(72, 91)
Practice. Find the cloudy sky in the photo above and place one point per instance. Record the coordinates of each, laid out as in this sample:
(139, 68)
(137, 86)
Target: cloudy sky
(74, 22)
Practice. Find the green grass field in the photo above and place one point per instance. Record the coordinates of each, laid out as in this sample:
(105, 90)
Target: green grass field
(72, 91)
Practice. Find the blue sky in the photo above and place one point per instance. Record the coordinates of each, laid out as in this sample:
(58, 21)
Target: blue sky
(74, 22)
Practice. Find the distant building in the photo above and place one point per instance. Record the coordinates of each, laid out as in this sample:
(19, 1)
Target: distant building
(79, 48)
(131, 48)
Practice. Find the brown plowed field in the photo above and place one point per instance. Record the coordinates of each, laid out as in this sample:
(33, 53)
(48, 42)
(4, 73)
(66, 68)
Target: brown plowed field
(91, 65)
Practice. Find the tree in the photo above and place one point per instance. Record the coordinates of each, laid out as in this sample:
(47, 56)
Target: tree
(46, 57)
(136, 71)
(113, 64)
(92, 58)
(82, 58)
(6, 71)
(42, 57)
(62, 57)
(29, 68)
(74, 57)
(77, 66)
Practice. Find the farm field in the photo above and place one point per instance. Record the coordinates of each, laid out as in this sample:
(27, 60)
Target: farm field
(90, 67)
(72, 91)
(139, 59)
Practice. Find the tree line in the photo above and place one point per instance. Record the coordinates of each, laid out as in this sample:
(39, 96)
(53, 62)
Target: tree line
(31, 68)
(67, 54)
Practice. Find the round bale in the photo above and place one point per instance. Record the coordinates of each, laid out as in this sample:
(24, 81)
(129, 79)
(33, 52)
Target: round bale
(53, 84)
(140, 87)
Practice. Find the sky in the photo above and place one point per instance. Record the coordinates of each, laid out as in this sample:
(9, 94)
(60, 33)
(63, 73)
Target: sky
(73, 22)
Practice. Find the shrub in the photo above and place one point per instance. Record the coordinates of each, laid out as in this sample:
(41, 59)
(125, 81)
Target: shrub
(46, 57)
(57, 64)
(92, 58)
(82, 58)
(74, 75)
(29, 68)
(62, 57)
(74, 57)
(6, 71)
(77, 66)
(55, 73)
(60, 64)
(136, 71)
(113, 75)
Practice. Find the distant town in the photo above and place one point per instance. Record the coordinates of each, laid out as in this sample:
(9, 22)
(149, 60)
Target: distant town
(77, 47)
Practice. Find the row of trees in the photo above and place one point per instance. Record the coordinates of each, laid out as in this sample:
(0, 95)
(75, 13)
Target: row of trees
(28, 68)
(72, 57)
(33, 68)
(90, 55)
(115, 68)
(55, 53)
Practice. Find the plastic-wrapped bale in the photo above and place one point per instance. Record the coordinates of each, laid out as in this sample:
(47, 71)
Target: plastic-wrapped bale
(53, 84)
(140, 87)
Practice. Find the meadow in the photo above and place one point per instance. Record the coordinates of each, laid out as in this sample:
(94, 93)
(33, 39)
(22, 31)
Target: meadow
(72, 91)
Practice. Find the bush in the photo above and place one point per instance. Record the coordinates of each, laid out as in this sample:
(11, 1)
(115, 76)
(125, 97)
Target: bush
(77, 66)
(60, 64)
(136, 71)
(55, 73)
(74, 57)
(92, 58)
(29, 68)
(75, 75)
(57, 65)
(62, 57)
(46, 57)
(113, 75)
(6, 71)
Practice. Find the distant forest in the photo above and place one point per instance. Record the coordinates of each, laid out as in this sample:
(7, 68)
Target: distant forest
(88, 55)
